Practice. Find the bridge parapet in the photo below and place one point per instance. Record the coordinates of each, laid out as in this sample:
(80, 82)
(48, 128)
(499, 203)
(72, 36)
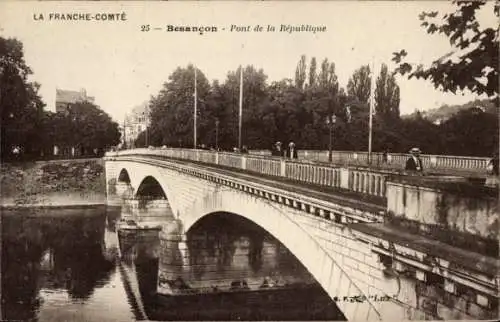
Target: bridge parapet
(336, 210)
(459, 213)
(394, 160)
(371, 182)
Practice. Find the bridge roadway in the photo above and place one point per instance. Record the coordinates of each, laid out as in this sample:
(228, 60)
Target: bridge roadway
(355, 200)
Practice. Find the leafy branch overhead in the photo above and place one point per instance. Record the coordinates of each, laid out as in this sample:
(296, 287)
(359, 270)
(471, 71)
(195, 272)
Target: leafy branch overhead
(472, 64)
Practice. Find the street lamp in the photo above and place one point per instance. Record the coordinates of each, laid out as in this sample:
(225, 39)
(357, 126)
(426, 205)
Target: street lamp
(216, 134)
(330, 120)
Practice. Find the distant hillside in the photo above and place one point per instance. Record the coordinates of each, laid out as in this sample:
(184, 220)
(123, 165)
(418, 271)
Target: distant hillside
(443, 113)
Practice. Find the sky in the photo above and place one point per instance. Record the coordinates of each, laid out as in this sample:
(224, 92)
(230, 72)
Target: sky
(122, 66)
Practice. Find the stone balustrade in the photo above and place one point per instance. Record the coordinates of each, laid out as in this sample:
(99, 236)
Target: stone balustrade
(265, 166)
(371, 182)
(348, 176)
(311, 173)
(368, 182)
(394, 160)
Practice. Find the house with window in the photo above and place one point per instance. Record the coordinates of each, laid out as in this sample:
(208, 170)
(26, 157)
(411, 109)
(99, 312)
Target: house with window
(135, 122)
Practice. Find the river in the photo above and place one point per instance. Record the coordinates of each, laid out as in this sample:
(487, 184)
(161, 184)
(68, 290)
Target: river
(70, 264)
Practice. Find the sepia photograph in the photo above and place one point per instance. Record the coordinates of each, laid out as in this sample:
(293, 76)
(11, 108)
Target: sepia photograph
(249, 160)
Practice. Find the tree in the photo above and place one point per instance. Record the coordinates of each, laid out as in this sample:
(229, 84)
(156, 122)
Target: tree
(324, 74)
(387, 95)
(140, 141)
(358, 86)
(91, 127)
(470, 132)
(312, 72)
(473, 62)
(286, 114)
(21, 108)
(324, 101)
(172, 109)
(300, 73)
(84, 126)
(255, 102)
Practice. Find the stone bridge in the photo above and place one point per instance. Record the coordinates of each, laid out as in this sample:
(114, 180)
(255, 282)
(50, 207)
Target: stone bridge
(378, 245)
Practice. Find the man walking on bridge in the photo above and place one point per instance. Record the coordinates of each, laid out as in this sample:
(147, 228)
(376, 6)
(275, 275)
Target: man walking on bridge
(414, 163)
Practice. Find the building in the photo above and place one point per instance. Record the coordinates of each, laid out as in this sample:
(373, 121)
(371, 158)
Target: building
(65, 98)
(135, 122)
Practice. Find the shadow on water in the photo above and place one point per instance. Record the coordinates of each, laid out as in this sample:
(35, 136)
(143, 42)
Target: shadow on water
(57, 251)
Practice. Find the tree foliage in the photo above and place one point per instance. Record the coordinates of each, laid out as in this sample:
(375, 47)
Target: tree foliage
(300, 110)
(21, 108)
(473, 62)
(293, 110)
(26, 126)
(84, 126)
(301, 73)
(358, 86)
(312, 72)
(386, 95)
(172, 109)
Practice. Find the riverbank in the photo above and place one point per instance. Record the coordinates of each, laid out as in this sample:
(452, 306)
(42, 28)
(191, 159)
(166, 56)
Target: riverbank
(57, 183)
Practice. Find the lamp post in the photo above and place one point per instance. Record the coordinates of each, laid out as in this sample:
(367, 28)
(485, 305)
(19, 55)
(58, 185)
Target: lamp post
(372, 108)
(240, 118)
(217, 134)
(330, 120)
(125, 133)
(146, 119)
(195, 136)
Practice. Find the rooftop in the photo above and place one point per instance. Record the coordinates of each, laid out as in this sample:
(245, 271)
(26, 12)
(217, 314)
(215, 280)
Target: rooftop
(65, 96)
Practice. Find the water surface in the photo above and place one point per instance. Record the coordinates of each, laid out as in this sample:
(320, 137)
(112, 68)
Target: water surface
(67, 265)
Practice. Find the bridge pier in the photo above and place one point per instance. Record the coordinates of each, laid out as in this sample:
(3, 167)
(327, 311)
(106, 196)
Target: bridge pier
(146, 212)
(174, 259)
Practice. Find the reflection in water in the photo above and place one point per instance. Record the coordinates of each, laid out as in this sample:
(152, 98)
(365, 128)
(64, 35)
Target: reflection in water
(225, 252)
(55, 262)
(230, 269)
(65, 265)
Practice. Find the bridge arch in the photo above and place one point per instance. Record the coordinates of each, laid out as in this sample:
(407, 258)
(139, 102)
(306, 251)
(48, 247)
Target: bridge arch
(150, 188)
(326, 269)
(123, 176)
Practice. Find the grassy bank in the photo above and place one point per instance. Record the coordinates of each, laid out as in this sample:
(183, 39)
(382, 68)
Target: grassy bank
(61, 182)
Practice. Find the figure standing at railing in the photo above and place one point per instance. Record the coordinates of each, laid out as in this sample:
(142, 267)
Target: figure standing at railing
(385, 156)
(292, 151)
(492, 179)
(277, 150)
(414, 163)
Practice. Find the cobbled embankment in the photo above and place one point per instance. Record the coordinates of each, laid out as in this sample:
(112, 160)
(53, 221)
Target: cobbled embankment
(52, 183)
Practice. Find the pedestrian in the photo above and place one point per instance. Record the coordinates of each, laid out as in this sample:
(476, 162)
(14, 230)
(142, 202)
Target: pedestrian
(244, 149)
(277, 149)
(292, 150)
(414, 163)
(385, 156)
(492, 168)
(16, 151)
